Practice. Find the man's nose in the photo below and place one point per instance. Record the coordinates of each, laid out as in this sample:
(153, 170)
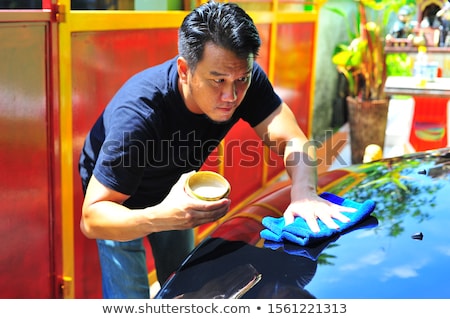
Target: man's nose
(229, 93)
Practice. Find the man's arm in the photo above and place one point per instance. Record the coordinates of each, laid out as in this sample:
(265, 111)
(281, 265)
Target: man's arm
(281, 132)
(104, 216)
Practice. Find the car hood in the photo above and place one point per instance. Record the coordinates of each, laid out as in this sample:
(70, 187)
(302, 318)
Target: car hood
(401, 251)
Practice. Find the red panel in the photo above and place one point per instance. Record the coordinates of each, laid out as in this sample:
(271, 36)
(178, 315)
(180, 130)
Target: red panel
(102, 62)
(243, 162)
(429, 128)
(294, 57)
(293, 67)
(26, 263)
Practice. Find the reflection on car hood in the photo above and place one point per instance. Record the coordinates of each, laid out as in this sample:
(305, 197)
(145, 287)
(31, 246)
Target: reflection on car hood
(403, 253)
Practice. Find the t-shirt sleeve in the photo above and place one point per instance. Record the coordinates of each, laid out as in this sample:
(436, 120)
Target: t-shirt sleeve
(122, 158)
(260, 100)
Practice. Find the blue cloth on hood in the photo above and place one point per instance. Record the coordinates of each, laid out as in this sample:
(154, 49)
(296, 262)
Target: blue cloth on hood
(314, 250)
(299, 232)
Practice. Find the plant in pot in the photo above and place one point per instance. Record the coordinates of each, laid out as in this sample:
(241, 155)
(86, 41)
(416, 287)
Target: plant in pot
(363, 63)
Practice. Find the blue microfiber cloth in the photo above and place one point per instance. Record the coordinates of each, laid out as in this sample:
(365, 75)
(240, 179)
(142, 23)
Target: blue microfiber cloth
(313, 251)
(299, 232)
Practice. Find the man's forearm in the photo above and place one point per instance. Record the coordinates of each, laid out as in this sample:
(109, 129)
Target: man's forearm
(301, 166)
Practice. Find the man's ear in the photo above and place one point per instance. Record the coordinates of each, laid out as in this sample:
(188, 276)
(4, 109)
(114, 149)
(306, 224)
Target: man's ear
(183, 69)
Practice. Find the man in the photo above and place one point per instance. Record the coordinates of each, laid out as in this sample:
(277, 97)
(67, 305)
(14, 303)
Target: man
(161, 126)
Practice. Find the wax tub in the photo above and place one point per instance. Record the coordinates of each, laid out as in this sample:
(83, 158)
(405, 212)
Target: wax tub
(207, 185)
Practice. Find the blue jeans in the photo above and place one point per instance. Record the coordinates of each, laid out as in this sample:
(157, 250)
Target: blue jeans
(124, 266)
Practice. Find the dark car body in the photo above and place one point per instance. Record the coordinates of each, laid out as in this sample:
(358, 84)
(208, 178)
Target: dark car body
(401, 251)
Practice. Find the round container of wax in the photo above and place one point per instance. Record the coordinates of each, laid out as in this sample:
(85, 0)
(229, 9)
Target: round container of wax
(207, 185)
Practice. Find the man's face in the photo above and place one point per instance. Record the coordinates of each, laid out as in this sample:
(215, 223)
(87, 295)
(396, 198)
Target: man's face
(218, 84)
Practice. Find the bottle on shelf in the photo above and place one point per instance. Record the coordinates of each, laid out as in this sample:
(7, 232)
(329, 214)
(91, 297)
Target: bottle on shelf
(420, 65)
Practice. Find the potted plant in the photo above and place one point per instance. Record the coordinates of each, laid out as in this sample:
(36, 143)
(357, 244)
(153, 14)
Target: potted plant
(363, 63)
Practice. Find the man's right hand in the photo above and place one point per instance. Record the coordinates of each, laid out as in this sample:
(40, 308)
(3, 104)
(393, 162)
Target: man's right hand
(181, 211)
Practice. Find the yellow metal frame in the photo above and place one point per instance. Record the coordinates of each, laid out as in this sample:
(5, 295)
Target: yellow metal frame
(84, 21)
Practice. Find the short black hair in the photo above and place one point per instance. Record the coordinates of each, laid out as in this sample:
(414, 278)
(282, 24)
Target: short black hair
(224, 24)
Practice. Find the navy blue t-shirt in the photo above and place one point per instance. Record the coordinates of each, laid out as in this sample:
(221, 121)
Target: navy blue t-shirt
(146, 137)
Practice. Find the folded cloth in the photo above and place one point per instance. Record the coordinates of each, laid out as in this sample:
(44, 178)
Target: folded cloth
(313, 251)
(299, 232)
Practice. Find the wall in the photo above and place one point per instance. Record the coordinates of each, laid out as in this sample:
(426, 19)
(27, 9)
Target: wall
(30, 258)
(331, 32)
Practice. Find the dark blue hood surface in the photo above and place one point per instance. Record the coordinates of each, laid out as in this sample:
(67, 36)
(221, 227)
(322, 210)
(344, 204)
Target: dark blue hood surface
(402, 251)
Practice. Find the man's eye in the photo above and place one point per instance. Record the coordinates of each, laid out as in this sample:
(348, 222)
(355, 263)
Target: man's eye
(243, 79)
(219, 80)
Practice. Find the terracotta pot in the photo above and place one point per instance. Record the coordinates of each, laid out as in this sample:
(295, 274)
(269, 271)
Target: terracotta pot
(367, 121)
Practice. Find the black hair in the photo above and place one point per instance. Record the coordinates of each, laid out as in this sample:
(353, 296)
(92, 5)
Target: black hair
(224, 24)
